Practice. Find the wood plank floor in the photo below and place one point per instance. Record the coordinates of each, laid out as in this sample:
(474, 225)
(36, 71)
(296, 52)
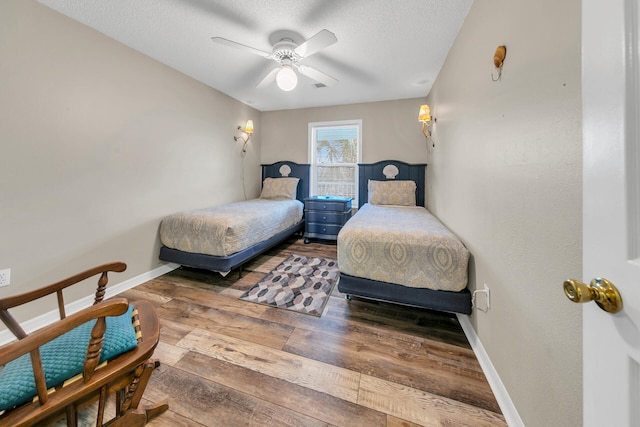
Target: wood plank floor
(226, 362)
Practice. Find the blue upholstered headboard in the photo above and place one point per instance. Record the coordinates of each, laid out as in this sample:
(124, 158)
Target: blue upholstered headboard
(375, 171)
(293, 170)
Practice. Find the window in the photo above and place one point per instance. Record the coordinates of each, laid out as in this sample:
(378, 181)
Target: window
(335, 150)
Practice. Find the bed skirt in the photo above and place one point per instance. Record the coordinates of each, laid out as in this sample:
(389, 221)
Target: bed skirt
(455, 302)
(224, 264)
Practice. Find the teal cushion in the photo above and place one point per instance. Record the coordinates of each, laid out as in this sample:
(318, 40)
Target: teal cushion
(63, 358)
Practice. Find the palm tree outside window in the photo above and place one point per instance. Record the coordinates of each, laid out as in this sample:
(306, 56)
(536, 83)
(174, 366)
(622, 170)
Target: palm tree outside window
(335, 151)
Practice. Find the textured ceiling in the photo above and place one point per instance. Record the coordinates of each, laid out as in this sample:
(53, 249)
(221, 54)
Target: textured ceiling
(385, 49)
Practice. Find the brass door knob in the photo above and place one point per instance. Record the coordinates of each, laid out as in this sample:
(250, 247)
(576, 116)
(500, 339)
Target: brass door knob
(602, 291)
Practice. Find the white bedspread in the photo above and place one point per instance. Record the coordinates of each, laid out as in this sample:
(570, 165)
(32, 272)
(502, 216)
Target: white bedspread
(226, 229)
(402, 245)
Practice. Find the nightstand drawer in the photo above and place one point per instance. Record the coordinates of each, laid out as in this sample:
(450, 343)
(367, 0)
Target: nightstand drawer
(320, 217)
(320, 230)
(328, 205)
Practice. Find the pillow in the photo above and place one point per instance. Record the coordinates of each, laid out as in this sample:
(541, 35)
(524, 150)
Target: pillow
(279, 188)
(399, 193)
(63, 358)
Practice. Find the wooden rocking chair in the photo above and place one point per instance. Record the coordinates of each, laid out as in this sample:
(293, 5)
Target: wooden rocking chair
(125, 374)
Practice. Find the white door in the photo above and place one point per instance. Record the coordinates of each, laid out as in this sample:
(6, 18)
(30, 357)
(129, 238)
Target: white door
(611, 245)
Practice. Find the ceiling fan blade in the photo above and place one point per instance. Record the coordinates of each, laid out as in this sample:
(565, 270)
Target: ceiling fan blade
(316, 75)
(240, 46)
(269, 78)
(322, 39)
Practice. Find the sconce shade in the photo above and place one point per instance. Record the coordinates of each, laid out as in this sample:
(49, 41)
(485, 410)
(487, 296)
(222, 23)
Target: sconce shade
(286, 78)
(424, 115)
(248, 128)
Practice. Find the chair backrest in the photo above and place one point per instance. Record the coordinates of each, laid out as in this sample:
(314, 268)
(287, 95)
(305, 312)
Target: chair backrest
(31, 343)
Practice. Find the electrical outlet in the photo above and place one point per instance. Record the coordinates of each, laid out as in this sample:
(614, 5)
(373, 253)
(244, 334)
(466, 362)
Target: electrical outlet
(487, 299)
(5, 277)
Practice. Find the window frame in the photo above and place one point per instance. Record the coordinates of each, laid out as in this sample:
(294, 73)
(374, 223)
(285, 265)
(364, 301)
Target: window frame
(357, 123)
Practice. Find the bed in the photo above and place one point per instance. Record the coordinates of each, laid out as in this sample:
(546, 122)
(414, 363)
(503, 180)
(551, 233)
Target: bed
(224, 237)
(393, 249)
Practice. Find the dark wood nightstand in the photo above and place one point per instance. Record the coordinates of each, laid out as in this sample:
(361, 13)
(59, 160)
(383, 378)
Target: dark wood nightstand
(325, 216)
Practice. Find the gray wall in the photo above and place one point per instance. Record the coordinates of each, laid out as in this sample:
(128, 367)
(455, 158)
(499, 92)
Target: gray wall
(390, 130)
(97, 143)
(506, 175)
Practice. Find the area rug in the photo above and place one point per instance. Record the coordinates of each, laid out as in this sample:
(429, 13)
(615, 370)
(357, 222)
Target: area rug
(299, 283)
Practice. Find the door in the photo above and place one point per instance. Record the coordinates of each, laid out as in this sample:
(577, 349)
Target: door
(611, 239)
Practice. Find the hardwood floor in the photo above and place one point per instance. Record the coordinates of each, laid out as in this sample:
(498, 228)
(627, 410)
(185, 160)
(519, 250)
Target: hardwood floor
(227, 362)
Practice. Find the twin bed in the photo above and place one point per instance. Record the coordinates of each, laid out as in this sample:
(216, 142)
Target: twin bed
(225, 237)
(392, 249)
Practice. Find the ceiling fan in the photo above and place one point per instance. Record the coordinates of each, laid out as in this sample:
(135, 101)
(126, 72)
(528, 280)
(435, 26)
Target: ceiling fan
(288, 55)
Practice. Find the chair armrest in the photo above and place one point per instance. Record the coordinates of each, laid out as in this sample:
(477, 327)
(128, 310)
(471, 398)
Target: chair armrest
(16, 300)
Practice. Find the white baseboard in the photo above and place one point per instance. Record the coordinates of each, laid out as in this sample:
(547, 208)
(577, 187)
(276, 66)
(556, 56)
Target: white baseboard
(52, 316)
(500, 392)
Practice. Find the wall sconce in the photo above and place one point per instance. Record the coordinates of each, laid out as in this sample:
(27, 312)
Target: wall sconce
(498, 61)
(248, 130)
(424, 116)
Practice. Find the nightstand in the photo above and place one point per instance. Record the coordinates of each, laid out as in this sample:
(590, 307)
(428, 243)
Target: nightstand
(325, 216)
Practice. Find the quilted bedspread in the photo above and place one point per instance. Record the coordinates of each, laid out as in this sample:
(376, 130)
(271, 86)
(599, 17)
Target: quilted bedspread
(226, 229)
(402, 245)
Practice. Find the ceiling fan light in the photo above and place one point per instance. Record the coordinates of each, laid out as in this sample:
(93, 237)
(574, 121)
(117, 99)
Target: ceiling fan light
(286, 78)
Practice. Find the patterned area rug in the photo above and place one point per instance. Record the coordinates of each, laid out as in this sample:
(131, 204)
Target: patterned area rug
(299, 283)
